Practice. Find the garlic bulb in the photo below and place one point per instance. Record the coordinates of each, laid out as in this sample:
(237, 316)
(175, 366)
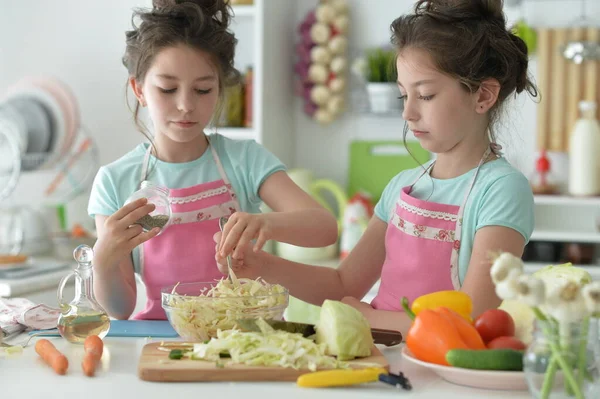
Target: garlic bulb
(320, 95)
(335, 105)
(317, 73)
(503, 265)
(320, 55)
(324, 39)
(509, 287)
(505, 272)
(320, 33)
(337, 85)
(325, 13)
(338, 45)
(591, 296)
(338, 65)
(323, 116)
(340, 6)
(566, 303)
(340, 23)
(531, 290)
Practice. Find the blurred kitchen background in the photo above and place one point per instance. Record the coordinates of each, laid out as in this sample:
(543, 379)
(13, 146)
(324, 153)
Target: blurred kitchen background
(305, 97)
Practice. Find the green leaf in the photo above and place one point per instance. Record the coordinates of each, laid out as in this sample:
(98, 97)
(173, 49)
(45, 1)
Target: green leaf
(381, 65)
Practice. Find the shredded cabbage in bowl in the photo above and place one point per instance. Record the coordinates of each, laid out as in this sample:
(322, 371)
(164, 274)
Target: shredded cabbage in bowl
(198, 310)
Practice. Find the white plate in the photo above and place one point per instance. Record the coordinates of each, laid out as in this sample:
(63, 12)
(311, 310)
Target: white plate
(502, 380)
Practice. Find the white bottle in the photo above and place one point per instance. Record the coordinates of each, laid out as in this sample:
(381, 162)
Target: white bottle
(584, 145)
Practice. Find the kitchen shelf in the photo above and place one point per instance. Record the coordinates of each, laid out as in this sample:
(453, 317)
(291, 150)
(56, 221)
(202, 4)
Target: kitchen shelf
(244, 10)
(566, 200)
(271, 55)
(360, 104)
(568, 236)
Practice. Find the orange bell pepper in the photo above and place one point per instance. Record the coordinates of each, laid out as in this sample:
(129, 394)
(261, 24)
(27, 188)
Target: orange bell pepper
(436, 331)
(465, 329)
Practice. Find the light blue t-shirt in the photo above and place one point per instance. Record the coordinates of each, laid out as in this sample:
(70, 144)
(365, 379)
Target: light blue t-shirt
(501, 196)
(246, 163)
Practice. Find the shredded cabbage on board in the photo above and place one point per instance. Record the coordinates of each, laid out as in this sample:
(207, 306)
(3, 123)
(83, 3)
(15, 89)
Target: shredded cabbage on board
(197, 319)
(269, 347)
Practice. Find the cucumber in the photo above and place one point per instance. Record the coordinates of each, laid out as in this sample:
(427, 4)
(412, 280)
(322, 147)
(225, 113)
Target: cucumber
(486, 359)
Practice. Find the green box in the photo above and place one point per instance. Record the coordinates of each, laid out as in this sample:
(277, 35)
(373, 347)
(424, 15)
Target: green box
(374, 163)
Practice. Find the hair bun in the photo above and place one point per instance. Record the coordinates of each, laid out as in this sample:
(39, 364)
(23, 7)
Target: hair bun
(218, 10)
(451, 11)
(522, 80)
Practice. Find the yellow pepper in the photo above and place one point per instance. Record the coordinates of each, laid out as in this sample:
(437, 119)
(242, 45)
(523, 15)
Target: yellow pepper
(455, 300)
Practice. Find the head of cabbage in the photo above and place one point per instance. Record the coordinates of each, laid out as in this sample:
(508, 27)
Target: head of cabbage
(552, 276)
(344, 330)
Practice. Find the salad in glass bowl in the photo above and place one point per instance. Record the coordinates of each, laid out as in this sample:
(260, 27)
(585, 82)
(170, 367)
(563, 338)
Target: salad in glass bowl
(198, 310)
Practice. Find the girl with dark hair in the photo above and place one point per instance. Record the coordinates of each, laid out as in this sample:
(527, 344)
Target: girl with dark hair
(180, 57)
(435, 226)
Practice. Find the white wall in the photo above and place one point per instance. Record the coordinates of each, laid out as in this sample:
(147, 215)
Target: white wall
(81, 43)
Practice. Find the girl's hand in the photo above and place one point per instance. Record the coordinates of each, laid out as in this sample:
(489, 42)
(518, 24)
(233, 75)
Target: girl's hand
(121, 235)
(248, 266)
(240, 229)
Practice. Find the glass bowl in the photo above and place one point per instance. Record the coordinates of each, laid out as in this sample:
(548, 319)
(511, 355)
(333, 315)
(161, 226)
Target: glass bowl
(198, 310)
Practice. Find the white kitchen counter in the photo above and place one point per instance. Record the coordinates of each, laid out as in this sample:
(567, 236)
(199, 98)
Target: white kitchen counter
(27, 376)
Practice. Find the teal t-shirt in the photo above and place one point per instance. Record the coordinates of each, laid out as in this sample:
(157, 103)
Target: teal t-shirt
(501, 196)
(246, 163)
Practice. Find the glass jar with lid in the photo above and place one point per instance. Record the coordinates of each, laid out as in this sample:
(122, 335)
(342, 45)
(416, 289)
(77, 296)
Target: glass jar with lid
(159, 196)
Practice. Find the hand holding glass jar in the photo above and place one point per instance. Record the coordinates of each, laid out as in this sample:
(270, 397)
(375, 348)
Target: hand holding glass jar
(119, 234)
(157, 195)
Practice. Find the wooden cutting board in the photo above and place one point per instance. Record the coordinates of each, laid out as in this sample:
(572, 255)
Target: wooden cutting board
(155, 365)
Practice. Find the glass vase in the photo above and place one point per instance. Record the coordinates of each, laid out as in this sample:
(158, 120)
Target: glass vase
(562, 360)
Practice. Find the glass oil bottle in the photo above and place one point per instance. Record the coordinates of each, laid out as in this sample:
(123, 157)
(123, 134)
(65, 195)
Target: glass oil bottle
(83, 316)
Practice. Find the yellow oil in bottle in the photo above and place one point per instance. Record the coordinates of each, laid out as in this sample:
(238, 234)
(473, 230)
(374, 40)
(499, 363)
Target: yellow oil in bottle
(76, 328)
(83, 316)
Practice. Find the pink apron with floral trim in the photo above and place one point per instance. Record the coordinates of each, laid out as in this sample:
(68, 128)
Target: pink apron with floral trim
(422, 243)
(185, 251)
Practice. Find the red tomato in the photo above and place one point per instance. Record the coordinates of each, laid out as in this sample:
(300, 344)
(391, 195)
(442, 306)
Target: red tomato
(506, 343)
(494, 323)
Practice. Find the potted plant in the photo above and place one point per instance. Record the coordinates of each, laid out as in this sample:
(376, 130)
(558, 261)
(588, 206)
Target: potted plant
(378, 71)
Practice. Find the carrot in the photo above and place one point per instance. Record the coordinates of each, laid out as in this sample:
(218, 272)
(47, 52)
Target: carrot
(93, 344)
(93, 347)
(89, 363)
(52, 356)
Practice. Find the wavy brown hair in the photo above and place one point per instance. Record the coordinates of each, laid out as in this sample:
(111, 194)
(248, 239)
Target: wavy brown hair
(199, 24)
(467, 40)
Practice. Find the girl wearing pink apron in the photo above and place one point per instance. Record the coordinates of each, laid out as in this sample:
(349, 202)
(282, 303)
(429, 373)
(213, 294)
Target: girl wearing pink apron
(185, 251)
(422, 242)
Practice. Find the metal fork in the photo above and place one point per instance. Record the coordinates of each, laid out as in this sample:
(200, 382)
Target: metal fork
(222, 222)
